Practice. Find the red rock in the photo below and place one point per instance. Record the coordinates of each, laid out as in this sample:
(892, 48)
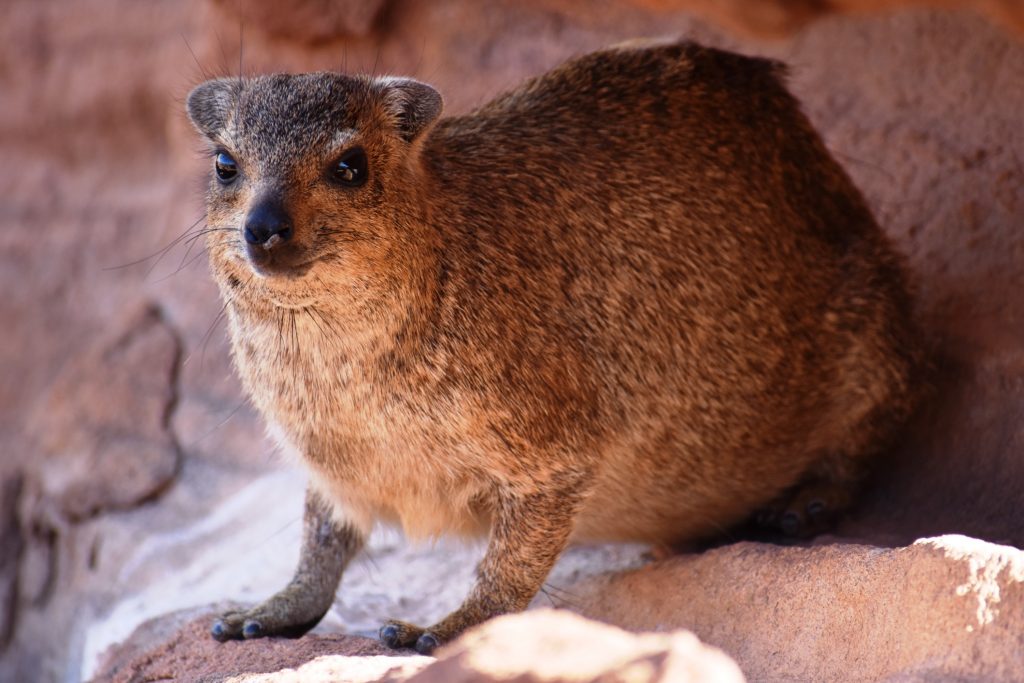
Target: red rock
(11, 543)
(103, 427)
(540, 646)
(779, 18)
(943, 609)
(164, 649)
(308, 21)
(554, 646)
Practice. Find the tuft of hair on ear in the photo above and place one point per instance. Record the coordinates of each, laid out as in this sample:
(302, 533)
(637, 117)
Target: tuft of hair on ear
(210, 103)
(415, 106)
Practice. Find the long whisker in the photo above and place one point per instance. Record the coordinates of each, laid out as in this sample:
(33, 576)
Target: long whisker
(314, 321)
(293, 315)
(161, 252)
(191, 242)
(206, 338)
(376, 61)
(182, 266)
(241, 43)
(217, 426)
(324, 319)
(203, 72)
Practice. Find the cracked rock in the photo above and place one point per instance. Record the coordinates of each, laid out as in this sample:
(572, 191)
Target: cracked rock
(11, 544)
(102, 429)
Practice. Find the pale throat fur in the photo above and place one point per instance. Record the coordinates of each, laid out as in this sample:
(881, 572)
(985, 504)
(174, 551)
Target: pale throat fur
(319, 366)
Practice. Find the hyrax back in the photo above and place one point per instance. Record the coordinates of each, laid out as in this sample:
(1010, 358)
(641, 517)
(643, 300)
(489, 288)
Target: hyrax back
(634, 298)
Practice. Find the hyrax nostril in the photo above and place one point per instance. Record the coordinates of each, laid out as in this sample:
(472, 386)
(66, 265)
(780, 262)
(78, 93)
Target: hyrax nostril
(268, 224)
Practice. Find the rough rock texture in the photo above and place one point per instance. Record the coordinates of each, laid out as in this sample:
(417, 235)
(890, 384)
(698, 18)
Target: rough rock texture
(103, 427)
(784, 17)
(188, 653)
(100, 171)
(10, 554)
(540, 646)
(548, 646)
(231, 554)
(341, 669)
(943, 609)
(309, 21)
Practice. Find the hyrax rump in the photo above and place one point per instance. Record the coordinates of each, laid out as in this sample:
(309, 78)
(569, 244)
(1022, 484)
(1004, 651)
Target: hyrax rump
(633, 299)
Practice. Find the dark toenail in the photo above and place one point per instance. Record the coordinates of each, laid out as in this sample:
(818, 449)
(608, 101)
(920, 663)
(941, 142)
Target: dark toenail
(389, 635)
(767, 517)
(219, 631)
(790, 523)
(426, 644)
(252, 629)
(816, 508)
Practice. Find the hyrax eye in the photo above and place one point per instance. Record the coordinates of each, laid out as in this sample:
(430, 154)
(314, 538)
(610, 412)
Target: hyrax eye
(351, 169)
(226, 167)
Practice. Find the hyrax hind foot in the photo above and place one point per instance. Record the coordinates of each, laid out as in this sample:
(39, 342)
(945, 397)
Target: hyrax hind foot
(808, 510)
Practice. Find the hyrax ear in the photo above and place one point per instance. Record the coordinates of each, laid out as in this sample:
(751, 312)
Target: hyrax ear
(210, 103)
(415, 106)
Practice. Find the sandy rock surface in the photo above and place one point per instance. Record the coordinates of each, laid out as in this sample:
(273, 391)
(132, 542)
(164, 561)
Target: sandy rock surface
(103, 427)
(100, 171)
(230, 555)
(949, 608)
(187, 653)
(548, 646)
(540, 646)
(10, 554)
(784, 17)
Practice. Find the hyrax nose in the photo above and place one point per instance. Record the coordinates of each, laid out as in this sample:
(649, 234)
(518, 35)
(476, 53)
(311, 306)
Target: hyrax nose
(268, 224)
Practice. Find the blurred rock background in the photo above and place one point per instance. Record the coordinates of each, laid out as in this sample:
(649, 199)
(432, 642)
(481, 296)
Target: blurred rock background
(134, 479)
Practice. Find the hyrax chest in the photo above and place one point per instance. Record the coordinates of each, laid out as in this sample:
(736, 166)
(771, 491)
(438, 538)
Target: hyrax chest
(384, 449)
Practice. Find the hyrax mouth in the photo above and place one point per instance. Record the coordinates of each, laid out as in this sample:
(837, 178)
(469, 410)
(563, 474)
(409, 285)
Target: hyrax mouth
(278, 262)
(270, 245)
(290, 273)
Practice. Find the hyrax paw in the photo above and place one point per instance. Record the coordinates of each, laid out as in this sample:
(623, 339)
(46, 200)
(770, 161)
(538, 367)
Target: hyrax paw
(268, 619)
(427, 643)
(228, 627)
(398, 634)
(809, 510)
(236, 626)
(805, 516)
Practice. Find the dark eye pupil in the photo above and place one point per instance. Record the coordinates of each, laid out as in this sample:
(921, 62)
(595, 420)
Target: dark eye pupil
(351, 168)
(226, 167)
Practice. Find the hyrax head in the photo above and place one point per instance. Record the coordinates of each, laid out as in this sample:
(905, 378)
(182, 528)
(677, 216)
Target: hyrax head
(310, 172)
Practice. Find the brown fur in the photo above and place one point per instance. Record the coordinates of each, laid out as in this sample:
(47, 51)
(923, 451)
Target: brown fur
(633, 299)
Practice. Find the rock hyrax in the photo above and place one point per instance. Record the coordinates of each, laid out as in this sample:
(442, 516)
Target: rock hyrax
(633, 299)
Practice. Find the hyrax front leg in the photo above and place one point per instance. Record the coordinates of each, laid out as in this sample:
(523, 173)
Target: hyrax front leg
(327, 546)
(529, 533)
